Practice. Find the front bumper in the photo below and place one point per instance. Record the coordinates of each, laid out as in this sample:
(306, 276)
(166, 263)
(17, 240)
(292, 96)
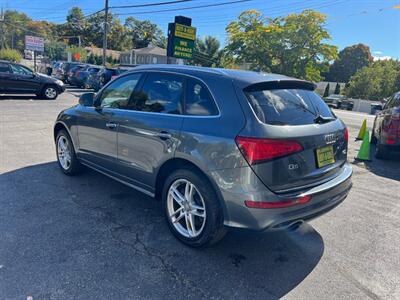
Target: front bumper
(325, 197)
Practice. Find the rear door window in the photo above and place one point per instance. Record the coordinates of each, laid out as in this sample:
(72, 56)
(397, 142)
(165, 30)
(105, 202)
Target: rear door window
(198, 100)
(161, 93)
(287, 106)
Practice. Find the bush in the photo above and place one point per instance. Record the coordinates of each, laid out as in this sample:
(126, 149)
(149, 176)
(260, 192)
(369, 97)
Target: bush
(10, 55)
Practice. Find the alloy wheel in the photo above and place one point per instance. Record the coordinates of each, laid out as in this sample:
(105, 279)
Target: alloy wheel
(186, 208)
(64, 152)
(50, 92)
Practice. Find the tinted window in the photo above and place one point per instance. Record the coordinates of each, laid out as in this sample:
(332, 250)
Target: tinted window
(161, 93)
(396, 101)
(117, 94)
(198, 100)
(4, 68)
(17, 69)
(288, 106)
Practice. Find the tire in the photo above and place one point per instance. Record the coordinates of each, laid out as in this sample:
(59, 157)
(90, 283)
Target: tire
(50, 92)
(208, 229)
(381, 151)
(70, 165)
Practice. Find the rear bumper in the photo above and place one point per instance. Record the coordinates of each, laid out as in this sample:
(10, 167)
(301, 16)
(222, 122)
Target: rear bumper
(324, 197)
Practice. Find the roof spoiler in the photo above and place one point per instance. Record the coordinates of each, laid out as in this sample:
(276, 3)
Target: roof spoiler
(281, 84)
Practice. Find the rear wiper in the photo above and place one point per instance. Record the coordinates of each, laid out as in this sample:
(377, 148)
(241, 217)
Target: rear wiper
(321, 119)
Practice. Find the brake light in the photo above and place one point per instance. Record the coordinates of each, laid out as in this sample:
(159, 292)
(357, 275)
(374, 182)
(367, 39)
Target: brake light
(279, 204)
(256, 150)
(346, 134)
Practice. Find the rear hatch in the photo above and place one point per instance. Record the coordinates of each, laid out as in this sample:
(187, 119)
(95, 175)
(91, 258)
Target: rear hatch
(297, 142)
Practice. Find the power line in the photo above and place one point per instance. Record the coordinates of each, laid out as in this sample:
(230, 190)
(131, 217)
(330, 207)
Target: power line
(183, 8)
(150, 4)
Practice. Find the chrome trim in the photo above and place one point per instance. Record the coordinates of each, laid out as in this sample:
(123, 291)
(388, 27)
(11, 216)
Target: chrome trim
(342, 177)
(87, 164)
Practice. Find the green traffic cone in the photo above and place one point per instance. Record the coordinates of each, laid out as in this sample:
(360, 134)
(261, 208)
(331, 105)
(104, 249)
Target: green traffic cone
(361, 133)
(363, 153)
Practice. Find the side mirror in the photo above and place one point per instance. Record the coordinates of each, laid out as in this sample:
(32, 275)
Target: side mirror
(86, 99)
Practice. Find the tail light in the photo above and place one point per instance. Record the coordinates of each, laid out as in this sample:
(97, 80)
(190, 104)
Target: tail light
(257, 150)
(392, 128)
(278, 204)
(346, 134)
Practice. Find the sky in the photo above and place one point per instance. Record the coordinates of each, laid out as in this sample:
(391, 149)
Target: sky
(374, 23)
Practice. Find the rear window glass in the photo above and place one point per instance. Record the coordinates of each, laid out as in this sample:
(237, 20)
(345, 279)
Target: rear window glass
(287, 106)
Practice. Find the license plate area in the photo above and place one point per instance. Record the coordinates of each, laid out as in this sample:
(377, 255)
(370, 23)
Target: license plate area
(325, 156)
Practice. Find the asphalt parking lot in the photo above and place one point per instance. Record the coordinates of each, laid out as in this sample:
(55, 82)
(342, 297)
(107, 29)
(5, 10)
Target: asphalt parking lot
(90, 237)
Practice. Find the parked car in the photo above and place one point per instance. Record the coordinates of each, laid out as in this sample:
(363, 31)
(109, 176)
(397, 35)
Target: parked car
(376, 107)
(62, 72)
(81, 76)
(73, 73)
(97, 81)
(221, 148)
(339, 102)
(18, 79)
(386, 129)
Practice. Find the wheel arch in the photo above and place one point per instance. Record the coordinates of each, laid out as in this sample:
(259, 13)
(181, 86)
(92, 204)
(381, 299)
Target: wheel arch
(180, 163)
(61, 126)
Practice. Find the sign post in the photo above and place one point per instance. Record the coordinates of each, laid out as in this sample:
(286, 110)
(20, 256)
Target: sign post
(181, 38)
(35, 44)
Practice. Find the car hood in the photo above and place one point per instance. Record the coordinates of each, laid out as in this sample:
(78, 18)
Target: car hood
(46, 78)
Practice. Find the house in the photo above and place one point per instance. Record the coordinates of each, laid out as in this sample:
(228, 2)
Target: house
(148, 55)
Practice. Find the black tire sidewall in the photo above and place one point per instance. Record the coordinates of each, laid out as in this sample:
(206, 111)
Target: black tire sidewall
(214, 218)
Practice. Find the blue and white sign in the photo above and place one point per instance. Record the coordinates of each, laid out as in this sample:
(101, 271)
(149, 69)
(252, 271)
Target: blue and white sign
(34, 43)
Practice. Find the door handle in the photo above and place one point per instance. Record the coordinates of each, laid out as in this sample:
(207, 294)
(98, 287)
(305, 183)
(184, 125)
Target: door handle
(164, 135)
(111, 125)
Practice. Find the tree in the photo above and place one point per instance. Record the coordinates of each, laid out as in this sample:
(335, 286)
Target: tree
(75, 26)
(376, 81)
(349, 61)
(291, 45)
(207, 52)
(326, 92)
(10, 55)
(337, 89)
(144, 33)
(55, 50)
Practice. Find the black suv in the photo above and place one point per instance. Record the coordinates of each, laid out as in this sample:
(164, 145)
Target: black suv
(18, 79)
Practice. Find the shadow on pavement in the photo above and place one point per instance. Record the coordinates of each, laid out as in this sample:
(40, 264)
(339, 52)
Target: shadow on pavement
(91, 237)
(389, 168)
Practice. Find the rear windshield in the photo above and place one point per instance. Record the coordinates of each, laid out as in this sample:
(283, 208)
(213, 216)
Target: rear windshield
(287, 106)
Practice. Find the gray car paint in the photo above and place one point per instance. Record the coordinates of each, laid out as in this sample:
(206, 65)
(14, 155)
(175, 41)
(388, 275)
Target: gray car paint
(208, 142)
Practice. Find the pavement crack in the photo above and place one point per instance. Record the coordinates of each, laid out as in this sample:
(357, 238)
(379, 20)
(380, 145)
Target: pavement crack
(140, 248)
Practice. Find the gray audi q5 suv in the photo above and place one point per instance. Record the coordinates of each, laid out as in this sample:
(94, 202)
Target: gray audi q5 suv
(220, 148)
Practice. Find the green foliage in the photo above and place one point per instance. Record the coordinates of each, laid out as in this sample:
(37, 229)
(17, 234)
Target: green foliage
(337, 89)
(207, 52)
(377, 81)
(76, 50)
(144, 33)
(326, 92)
(291, 45)
(349, 61)
(10, 55)
(55, 50)
(17, 25)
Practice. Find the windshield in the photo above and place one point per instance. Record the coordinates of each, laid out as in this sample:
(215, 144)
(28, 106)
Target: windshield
(288, 106)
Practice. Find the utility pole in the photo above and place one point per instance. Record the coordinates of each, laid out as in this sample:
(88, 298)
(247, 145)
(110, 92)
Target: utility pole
(2, 41)
(105, 32)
